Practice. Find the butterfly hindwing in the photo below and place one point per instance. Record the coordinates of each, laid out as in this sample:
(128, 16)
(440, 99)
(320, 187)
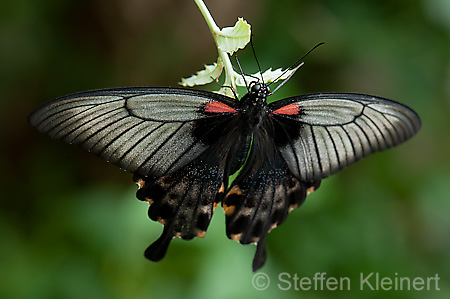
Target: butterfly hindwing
(261, 196)
(182, 201)
(319, 134)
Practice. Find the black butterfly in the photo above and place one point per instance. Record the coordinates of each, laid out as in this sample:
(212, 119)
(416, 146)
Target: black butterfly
(182, 146)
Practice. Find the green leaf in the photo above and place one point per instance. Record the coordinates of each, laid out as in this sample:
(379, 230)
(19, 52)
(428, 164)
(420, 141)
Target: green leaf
(268, 76)
(231, 39)
(209, 74)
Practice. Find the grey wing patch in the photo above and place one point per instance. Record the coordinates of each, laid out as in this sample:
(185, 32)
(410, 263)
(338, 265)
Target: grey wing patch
(336, 130)
(144, 132)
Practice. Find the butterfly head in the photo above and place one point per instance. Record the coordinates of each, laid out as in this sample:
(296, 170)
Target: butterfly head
(259, 90)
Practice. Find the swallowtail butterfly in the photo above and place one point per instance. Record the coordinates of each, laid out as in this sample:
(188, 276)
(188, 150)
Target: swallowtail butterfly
(182, 145)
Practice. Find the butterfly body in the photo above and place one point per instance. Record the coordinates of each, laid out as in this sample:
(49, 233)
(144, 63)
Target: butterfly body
(254, 106)
(183, 145)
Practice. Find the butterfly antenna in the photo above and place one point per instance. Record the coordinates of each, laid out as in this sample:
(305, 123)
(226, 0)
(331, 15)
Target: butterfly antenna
(287, 79)
(257, 62)
(246, 74)
(293, 67)
(241, 71)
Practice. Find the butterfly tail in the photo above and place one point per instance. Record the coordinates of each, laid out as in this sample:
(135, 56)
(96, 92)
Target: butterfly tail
(260, 255)
(157, 250)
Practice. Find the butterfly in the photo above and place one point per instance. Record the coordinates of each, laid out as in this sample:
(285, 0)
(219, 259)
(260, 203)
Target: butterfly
(182, 146)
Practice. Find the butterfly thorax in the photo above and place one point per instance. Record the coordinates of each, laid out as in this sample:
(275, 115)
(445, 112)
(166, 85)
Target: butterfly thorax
(254, 104)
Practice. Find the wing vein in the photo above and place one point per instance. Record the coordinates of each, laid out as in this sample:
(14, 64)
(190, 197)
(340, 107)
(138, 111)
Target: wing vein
(137, 142)
(161, 145)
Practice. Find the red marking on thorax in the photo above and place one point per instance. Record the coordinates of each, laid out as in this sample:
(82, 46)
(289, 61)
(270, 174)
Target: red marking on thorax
(291, 109)
(218, 107)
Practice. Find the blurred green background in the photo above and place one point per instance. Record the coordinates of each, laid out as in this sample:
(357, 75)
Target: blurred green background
(70, 225)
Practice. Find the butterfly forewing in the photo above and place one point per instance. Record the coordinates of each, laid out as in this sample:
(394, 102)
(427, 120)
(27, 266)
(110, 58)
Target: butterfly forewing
(149, 131)
(325, 132)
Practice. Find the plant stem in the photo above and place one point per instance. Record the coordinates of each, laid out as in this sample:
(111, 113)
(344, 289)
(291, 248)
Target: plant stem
(208, 18)
(223, 56)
